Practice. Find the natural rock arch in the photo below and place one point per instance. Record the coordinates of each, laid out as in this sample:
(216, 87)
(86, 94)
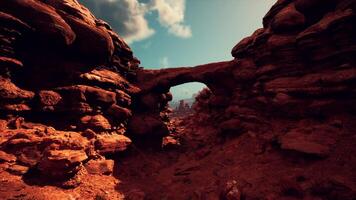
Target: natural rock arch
(155, 92)
(160, 81)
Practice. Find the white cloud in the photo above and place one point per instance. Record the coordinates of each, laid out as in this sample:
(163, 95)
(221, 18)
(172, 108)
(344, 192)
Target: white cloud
(164, 62)
(171, 15)
(127, 17)
(136, 25)
(180, 30)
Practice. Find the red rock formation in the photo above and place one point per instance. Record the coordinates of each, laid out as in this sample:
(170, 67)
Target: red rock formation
(65, 93)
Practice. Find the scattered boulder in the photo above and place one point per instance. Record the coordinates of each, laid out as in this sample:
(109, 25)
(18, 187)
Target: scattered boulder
(170, 142)
(100, 167)
(15, 123)
(49, 99)
(17, 169)
(5, 157)
(96, 122)
(231, 191)
(61, 163)
(316, 141)
(9, 92)
(108, 144)
(83, 93)
(3, 124)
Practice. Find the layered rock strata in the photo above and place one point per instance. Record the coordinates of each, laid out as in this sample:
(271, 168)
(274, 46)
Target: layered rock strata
(65, 94)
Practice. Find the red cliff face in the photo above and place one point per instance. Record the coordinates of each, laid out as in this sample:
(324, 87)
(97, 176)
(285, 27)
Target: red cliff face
(65, 94)
(277, 123)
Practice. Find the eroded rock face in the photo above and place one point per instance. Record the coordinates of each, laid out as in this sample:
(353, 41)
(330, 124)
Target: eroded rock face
(65, 88)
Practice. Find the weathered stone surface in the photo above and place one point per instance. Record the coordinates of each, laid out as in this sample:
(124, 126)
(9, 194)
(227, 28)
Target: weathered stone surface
(93, 43)
(8, 64)
(231, 191)
(42, 18)
(170, 142)
(9, 92)
(83, 93)
(119, 113)
(59, 163)
(96, 122)
(314, 140)
(3, 124)
(106, 144)
(49, 99)
(288, 19)
(100, 167)
(5, 157)
(17, 169)
(106, 78)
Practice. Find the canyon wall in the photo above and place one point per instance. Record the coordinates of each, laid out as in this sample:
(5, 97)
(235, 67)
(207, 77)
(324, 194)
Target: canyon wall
(65, 87)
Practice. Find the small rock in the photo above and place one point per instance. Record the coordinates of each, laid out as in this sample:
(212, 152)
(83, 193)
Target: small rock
(71, 183)
(4, 166)
(48, 99)
(18, 169)
(112, 143)
(59, 163)
(231, 191)
(96, 123)
(313, 140)
(16, 123)
(88, 133)
(3, 124)
(170, 142)
(5, 157)
(100, 167)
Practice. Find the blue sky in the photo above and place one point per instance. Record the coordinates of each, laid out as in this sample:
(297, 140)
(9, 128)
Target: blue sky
(173, 33)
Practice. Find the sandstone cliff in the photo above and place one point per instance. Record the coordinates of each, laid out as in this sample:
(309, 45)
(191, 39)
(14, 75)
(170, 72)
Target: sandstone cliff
(65, 93)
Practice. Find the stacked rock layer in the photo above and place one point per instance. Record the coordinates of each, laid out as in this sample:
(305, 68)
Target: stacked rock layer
(64, 92)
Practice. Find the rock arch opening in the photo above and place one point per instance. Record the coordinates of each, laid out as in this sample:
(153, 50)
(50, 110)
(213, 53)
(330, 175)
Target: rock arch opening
(184, 97)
